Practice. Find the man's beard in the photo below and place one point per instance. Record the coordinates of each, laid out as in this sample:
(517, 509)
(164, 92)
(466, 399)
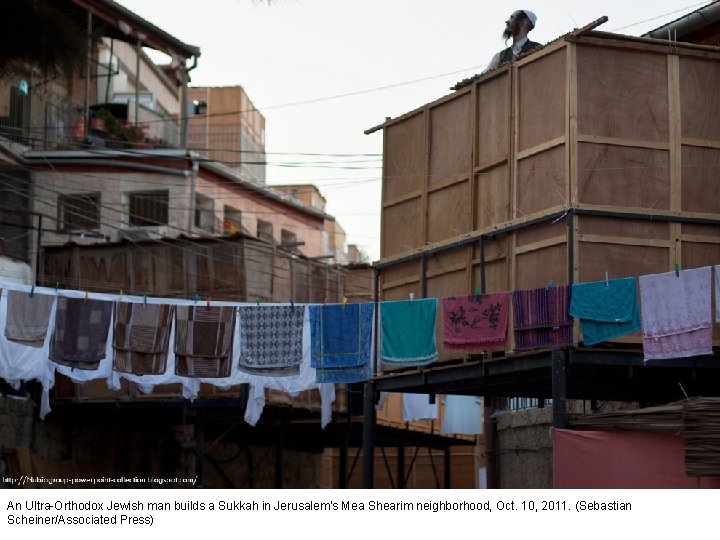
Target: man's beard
(507, 34)
(510, 30)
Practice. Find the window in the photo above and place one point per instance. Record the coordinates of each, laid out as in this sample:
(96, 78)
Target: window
(79, 212)
(148, 208)
(288, 240)
(232, 220)
(204, 213)
(265, 230)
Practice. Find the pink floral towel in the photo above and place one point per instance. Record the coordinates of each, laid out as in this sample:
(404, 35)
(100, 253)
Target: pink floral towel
(676, 314)
(476, 321)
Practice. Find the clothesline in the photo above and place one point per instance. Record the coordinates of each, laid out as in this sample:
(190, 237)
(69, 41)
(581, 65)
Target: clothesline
(295, 347)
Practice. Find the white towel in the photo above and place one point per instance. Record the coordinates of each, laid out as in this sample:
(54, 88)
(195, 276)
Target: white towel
(418, 407)
(676, 314)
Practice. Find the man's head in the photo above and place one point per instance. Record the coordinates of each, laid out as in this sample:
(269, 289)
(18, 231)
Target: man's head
(519, 24)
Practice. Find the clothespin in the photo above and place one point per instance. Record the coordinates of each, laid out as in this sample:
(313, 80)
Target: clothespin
(32, 291)
(677, 270)
(292, 303)
(57, 286)
(197, 296)
(121, 295)
(607, 283)
(325, 299)
(478, 291)
(549, 284)
(344, 301)
(257, 300)
(144, 300)
(208, 302)
(412, 296)
(86, 297)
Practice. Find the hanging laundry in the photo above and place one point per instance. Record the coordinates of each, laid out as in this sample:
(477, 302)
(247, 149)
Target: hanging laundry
(141, 337)
(462, 415)
(676, 314)
(271, 339)
(476, 322)
(203, 340)
(81, 331)
(341, 342)
(541, 318)
(418, 407)
(28, 317)
(408, 332)
(606, 309)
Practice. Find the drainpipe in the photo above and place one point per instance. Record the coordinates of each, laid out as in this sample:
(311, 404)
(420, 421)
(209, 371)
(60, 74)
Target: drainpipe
(184, 103)
(138, 52)
(88, 63)
(191, 206)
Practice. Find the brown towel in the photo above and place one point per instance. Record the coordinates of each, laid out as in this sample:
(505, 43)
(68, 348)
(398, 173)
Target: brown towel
(142, 337)
(203, 341)
(28, 317)
(81, 331)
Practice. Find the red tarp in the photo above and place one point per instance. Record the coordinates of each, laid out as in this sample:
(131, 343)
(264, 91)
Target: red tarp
(622, 459)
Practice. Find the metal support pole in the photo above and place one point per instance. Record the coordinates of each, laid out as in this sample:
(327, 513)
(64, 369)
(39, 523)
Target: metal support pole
(481, 249)
(137, 81)
(559, 388)
(38, 261)
(279, 459)
(401, 467)
(423, 280)
(343, 480)
(368, 435)
(199, 451)
(446, 465)
(490, 435)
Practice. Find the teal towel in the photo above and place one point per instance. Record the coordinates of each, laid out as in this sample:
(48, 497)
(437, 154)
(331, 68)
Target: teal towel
(606, 310)
(408, 332)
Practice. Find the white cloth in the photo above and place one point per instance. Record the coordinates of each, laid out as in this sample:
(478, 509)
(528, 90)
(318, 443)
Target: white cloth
(516, 48)
(293, 385)
(463, 415)
(418, 407)
(20, 363)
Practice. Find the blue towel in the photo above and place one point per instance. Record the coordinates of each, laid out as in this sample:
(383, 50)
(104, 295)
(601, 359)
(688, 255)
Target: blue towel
(341, 335)
(341, 341)
(344, 375)
(408, 332)
(606, 310)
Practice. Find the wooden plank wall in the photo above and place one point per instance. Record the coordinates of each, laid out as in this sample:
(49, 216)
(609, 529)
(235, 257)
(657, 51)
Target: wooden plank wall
(239, 269)
(596, 123)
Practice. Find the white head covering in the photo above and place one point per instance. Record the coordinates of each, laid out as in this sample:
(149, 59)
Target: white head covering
(531, 16)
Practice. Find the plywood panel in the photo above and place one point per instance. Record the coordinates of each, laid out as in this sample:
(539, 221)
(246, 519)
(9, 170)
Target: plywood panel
(404, 158)
(623, 176)
(449, 212)
(493, 197)
(631, 228)
(496, 276)
(404, 220)
(401, 292)
(493, 120)
(622, 94)
(541, 93)
(538, 233)
(594, 260)
(535, 268)
(541, 181)
(698, 254)
(449, 284)
(441, 262)
(700, 98)
(700, 172)
(450, 139)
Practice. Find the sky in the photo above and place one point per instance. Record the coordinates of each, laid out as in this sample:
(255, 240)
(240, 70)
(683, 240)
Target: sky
(324, 71)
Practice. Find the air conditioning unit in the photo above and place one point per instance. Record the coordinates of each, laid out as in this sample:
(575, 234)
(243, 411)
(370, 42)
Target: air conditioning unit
(143, 233)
